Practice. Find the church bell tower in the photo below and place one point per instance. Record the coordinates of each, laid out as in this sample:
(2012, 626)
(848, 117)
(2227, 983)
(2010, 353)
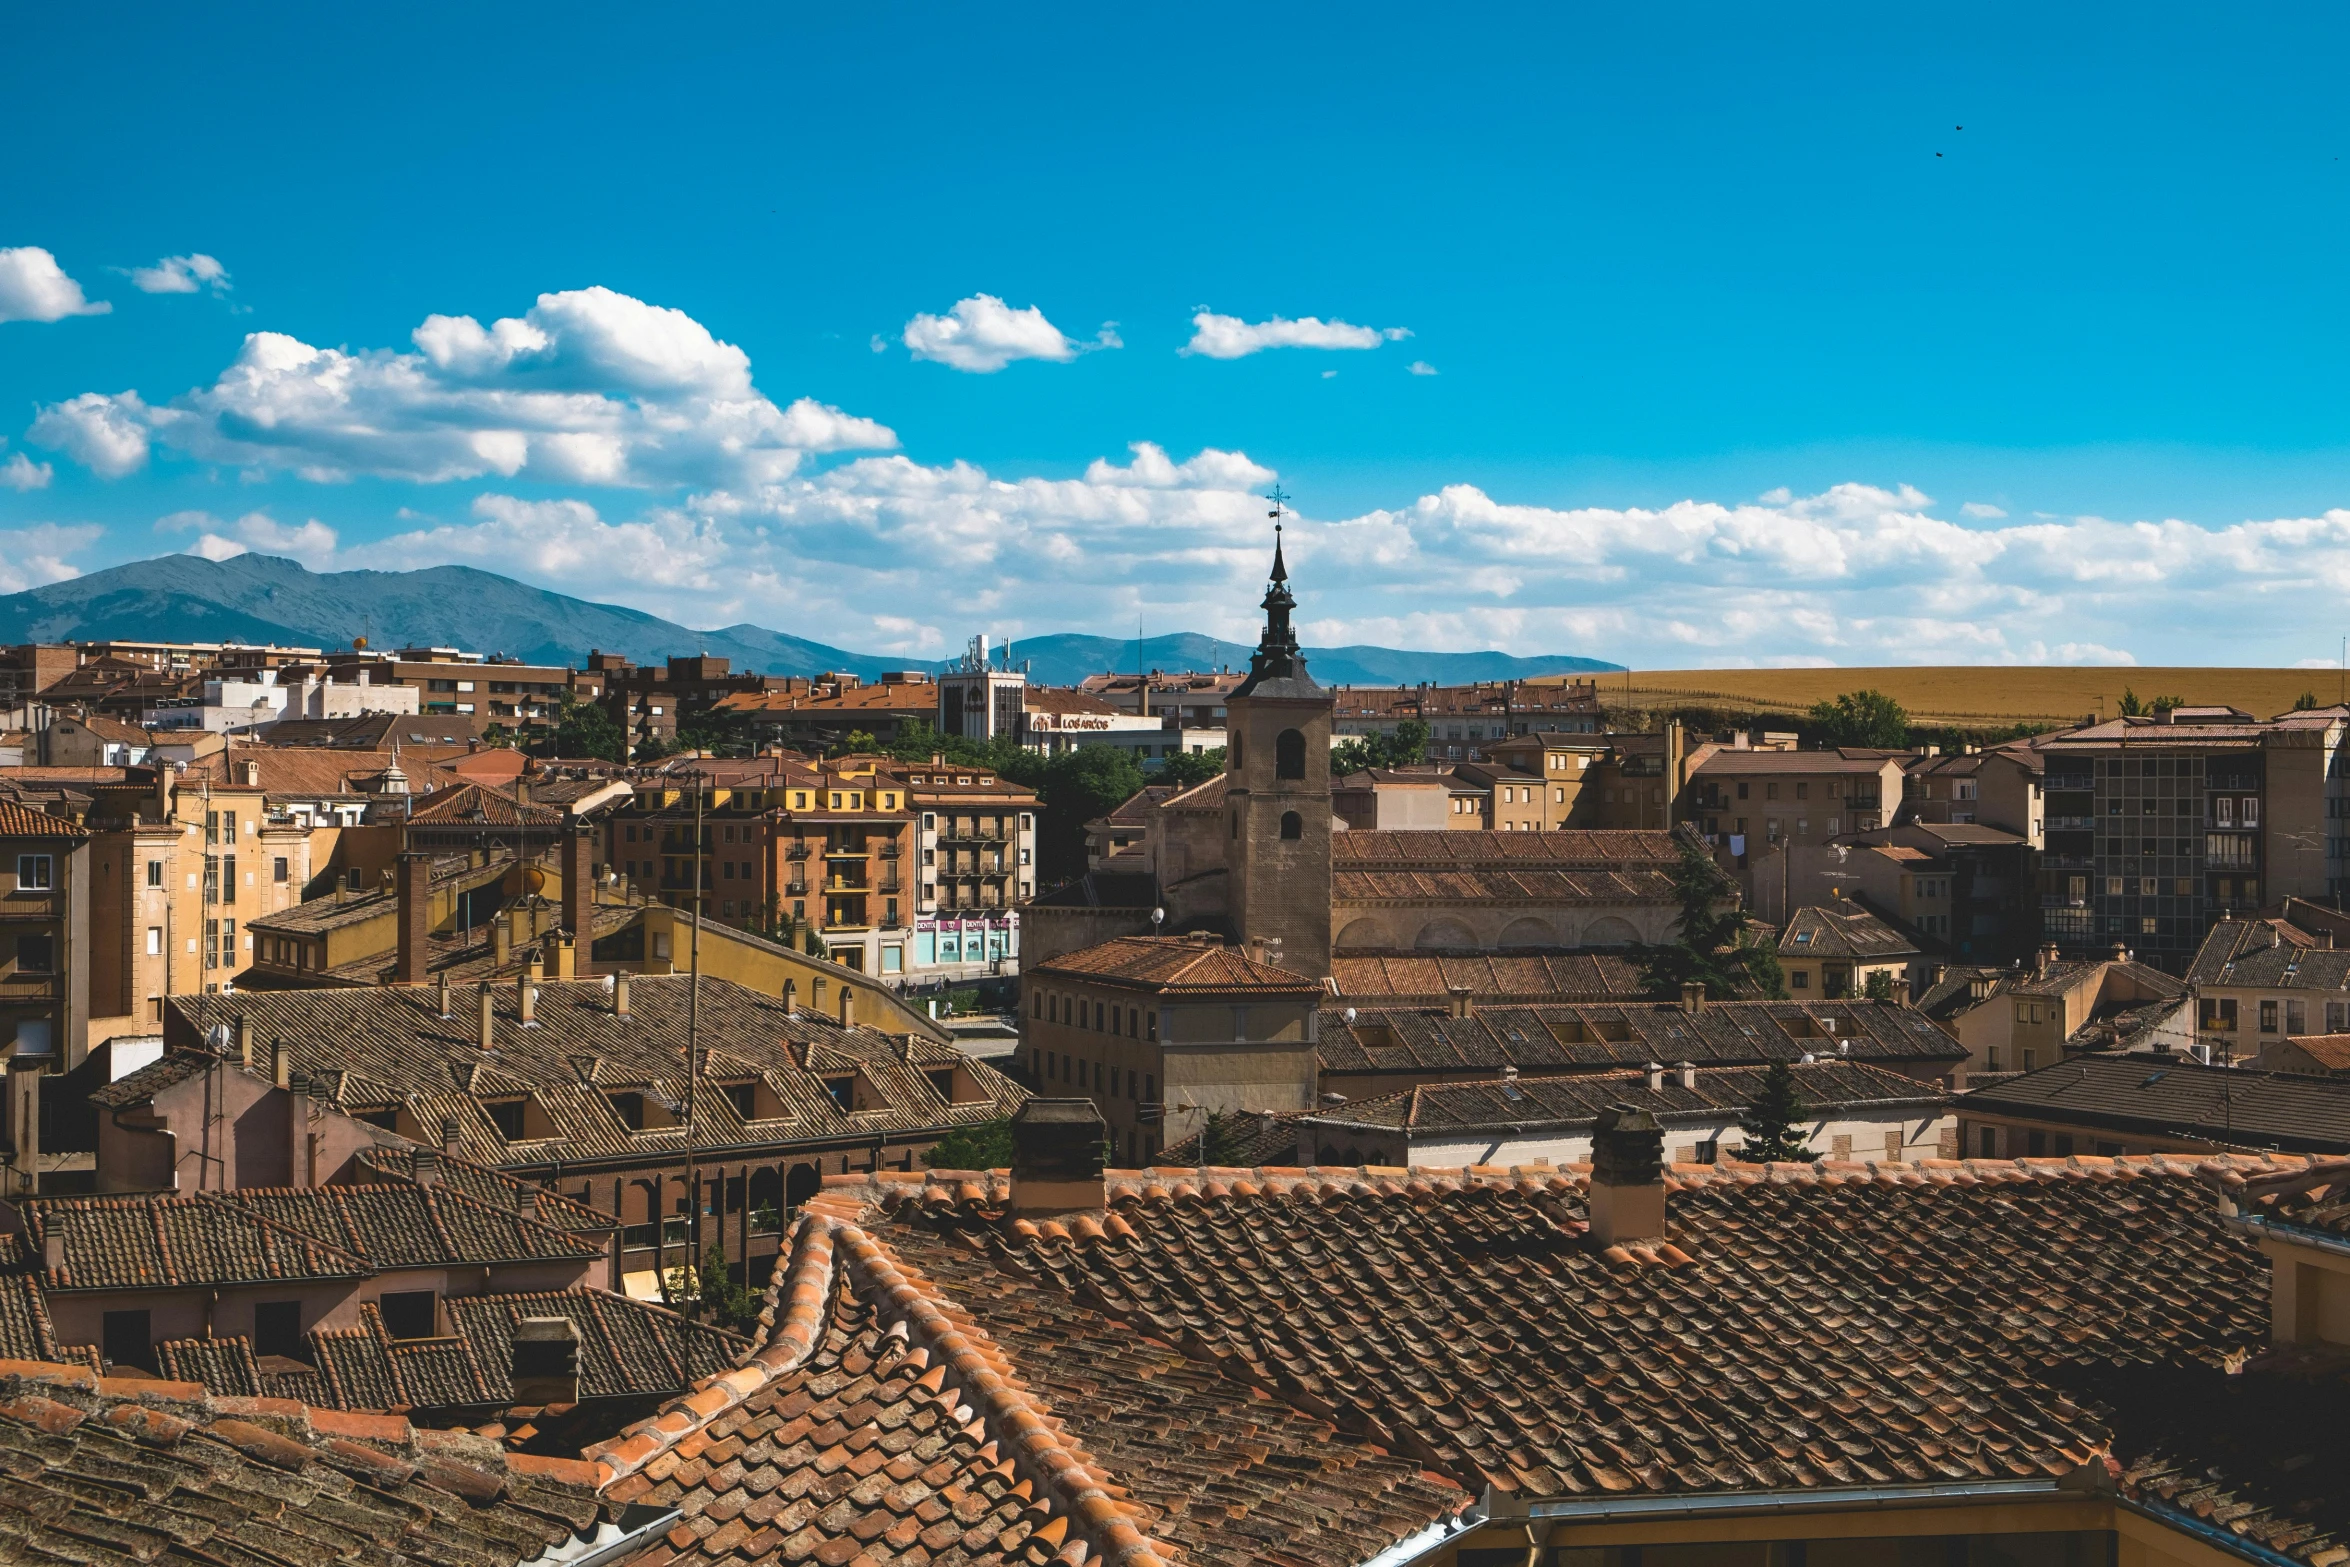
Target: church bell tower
(1277, 793)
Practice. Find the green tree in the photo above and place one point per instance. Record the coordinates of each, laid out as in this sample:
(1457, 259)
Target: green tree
(1072, 789)
(1406, 747)
(716, 733)
(718, 1299)
(1188, 768)
(2305, 701)
(1775, 1123)
(2132, 705)
(1882, 986)
(584, 729)
(1714, 945)
(986, 1145)
(1864, 718)
(857, 742)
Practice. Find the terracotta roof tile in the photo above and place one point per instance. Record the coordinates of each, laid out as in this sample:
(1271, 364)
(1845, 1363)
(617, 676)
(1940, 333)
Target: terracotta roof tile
(1393, 978)
(1173, 965)
(1817, 932)
(2146, 1096)
(22, 821)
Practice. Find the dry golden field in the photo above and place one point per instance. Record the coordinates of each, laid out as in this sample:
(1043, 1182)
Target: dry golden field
(1968, 698)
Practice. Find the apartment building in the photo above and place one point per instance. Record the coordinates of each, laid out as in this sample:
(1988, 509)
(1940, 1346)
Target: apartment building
(449, 680)
(45, 907)
(1760, 799)
(2158, 826)
(976, 836)
(785, 847)
(1182, 701)
(1464, 721)
(818, 715)
(2262, 983)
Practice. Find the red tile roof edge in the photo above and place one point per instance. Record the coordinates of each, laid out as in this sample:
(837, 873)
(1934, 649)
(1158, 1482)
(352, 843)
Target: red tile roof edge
(870, 1192)
(966, 1361)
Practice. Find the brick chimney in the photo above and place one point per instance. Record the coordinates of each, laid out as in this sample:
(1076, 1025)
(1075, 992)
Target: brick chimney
(1057, 1147)
(526, 1001)
(1693, 997)
(425, 1166)
(489, 1019)
(620, 993)
(444, 995)
(1656, 1077)
(415, 884)
(848, 1007)
(1686, 1074)
(579, 900)
(546, 1361)
(300, 1157)
(281, 1063)
(449, 1134)
(245, 1040)
(52, 1244)
(1463, 1002)
(501, 940)
(1627, 1177)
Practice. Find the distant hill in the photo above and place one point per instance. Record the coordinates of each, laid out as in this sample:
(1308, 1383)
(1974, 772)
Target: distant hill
(264, 598)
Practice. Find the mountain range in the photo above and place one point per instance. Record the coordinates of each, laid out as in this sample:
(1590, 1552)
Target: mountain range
(265, 598)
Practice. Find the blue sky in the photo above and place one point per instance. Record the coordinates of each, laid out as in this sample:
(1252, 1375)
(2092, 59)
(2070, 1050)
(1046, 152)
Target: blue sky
(1692, 336)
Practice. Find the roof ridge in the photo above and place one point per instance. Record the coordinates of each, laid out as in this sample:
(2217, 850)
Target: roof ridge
(864, 1193)
(975, 1370)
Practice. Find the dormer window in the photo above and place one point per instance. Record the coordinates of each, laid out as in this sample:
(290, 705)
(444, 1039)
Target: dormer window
(519, 1119)
(639, 1111)
(843, 1089)
(753, 1100)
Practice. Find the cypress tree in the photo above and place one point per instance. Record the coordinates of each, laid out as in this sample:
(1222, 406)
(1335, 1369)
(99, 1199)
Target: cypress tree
(1774, 1123)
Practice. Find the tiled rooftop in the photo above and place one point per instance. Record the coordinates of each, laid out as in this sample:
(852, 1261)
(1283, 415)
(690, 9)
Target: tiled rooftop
(22, 821)
(1601, 1037)
(1173, 965)
(2267, 954)
(160, 1241)
(106, 1470)
(380, 1048)
(1819, 932)
(1390, 977)
(1525, 1104)
(2147, 1097)
(404, 1225)
(1302, 1367)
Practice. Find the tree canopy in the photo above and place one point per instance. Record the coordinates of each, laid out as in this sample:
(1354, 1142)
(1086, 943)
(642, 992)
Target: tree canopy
(1406, 747)
(985, 1146)
(585, 729)
(1865, 718)
(1774, 1124)
(1713, 946)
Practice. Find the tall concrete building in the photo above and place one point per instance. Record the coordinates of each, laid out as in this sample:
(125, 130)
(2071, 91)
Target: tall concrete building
(1277, 796)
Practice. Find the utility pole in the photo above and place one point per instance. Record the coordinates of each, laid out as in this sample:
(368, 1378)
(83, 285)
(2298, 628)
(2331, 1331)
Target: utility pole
(693, 1073)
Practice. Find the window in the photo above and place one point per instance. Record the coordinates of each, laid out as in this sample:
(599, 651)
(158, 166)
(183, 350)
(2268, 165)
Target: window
(1293, 826)
(127, 1340)
(743, 1096)
(630, 1108)
(2296, 1018)
(1770, 791)
(154, 873)
(228, 878)
(277, 1328)
(32, 873)
(843, 1091)
(1289, 754)
(36, 954)
(1742, 791)
(408, 1313)
(2251, 813)
(1799, 979)
(506, 1115)
(154, 941)
(2268, 1017)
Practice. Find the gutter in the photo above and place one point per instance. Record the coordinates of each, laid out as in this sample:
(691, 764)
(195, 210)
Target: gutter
(616, 1542)
(1872, 1497)
(1416, 1548)
(2210, 1534)
(2293, 1234)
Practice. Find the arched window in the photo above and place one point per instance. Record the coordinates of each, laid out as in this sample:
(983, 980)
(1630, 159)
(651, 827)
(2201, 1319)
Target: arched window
(1293, 826)
(1289, 754)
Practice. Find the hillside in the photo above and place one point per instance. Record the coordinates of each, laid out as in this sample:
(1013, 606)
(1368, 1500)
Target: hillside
(1971, 697)
(262, 598)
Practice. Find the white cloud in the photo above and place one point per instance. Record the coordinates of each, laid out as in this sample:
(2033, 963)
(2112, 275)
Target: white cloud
(1422, 367)
(1983, 509)
(1229, 337)
(34, 288)
(312, 543)
(35, 556)
(180, 275)
(588, 387)
(22, 473)
(982, 334)
(107, 435)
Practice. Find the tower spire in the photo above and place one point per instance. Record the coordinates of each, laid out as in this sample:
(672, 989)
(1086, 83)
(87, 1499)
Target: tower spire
(1277, 659)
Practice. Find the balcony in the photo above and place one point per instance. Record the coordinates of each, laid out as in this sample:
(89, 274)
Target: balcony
(889, 850)
(841, 851)
(847, 883)
(891, 883)
(2072, 824)
(798, 851)
(797, 889)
